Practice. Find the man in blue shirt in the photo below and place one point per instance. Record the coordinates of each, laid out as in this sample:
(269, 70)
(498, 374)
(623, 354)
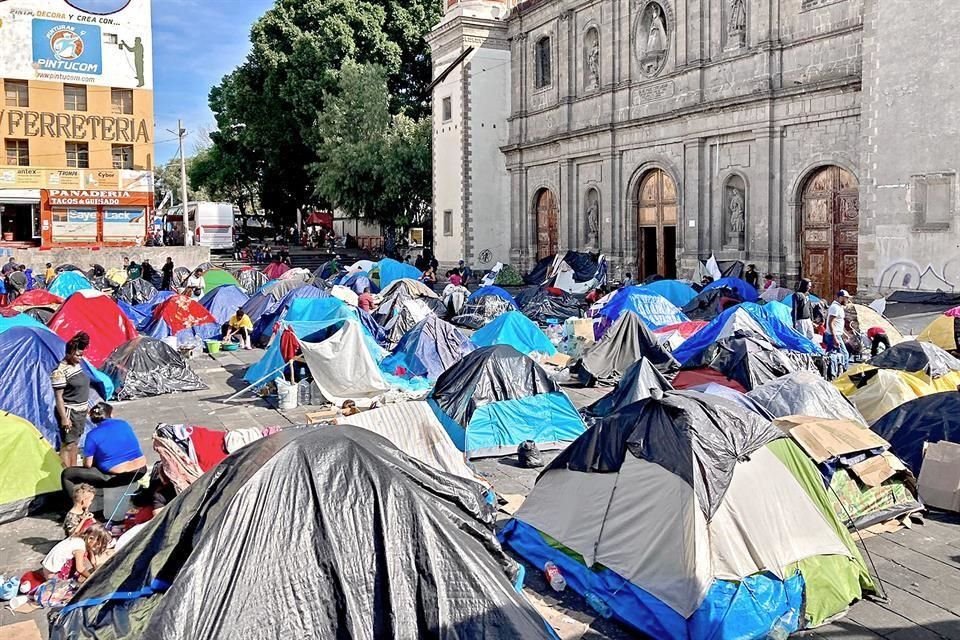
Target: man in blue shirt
(112, 456)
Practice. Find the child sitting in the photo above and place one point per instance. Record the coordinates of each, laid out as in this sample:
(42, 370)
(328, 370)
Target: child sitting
(77, 556)
(83, 496)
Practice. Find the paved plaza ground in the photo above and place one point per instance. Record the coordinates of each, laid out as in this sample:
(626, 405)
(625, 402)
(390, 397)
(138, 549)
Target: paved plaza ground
(919, 567)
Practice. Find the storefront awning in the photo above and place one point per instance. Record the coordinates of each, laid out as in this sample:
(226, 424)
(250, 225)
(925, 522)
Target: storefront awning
(19, 196)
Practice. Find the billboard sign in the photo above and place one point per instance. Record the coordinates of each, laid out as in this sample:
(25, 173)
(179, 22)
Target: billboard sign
(75, 225)
(96, 42)
(124, 224)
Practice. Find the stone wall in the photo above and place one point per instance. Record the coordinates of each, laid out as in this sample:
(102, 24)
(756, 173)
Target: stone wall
(108, 257)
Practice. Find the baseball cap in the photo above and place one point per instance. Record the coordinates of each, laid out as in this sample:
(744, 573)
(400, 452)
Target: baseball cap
(843, 293)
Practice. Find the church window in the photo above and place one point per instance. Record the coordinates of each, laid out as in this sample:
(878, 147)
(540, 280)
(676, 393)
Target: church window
(447, 110)
(542, 75)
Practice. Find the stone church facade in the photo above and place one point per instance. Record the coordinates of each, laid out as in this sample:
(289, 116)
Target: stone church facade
(794, 134)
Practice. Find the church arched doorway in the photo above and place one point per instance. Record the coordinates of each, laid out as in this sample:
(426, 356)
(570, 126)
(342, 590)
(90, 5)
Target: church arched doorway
(830, 230)
(548, 224)
(657, 225)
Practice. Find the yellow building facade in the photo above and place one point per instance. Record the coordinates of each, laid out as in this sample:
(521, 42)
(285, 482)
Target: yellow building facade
(76, 123)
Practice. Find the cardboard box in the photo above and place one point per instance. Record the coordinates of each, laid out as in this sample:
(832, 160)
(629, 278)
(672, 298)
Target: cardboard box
(939, 482)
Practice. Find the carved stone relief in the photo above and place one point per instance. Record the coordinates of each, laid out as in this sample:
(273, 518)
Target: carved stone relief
(652, 39)
(591, 56)
(592, 219)
(735, 212)
(737, 24)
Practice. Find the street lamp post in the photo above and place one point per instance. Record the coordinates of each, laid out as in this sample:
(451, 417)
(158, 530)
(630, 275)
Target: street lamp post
(181, 134)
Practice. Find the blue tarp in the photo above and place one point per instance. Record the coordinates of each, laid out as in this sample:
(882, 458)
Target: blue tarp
(780, 311)
(27, 357)
(730, 610)
(68, 283)
(678, 293)
(323, 309)
(789, 300)
(21, 320)
(517, 330)
(359, 281)
(746, 292)
(222, 303)
(263, 327)
(429, 349)
(391, 270)
(655, 310)
(780, 334)
(492, 291)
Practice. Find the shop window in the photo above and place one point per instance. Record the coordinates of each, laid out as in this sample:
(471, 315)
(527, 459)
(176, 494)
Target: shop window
(543, 71)
(17, 153)
(121, 101)
(78, 155)
(74, 97)
(448, 223)
(16, 93)
(123, 156)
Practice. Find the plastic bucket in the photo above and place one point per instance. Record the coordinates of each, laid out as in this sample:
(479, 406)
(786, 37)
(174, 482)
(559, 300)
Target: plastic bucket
(287, 394)
(213, 346)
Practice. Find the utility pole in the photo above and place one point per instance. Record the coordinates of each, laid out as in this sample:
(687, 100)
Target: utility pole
(187, 235)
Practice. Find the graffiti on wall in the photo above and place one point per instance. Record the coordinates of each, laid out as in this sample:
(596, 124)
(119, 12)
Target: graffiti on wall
(908, 275)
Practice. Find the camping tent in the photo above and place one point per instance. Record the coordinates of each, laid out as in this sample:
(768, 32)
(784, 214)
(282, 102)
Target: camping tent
(268, 298)
(747, 316)
(910, 426)
(549, 304)
(627, 341)
(36, 298)
(915, 356)
(322, 309)
(68, 283)
(388, 271)
(738, 536)
(20, 320)
(654, 310)
(429, 349)
(275, 269)
(876, 392)
(27, 356)
(944, 331)
(641, 380)
(414, 555)
(29, 468)
(496, 397)
(515, 329)
(100, 317)
(250, 279)
(146, 367)
(678, 293)
(483, 305)
(136, 291)
(222, 303)
(805, 393)
(745, 357)
(861, 318)
(405, 317)
(264, 325)
(179, 316)
(214, 278)
(744, 291)
(397, 292)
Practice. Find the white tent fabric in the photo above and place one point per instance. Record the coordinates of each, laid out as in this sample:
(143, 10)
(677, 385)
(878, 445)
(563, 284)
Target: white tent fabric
(645, 524)
(343, 368)
(414, 429)
(740, 320)
(345, 295)
(361, 265)
(413, 288)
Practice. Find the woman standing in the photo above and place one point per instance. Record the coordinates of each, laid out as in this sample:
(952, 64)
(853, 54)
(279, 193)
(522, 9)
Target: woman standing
(71, 388)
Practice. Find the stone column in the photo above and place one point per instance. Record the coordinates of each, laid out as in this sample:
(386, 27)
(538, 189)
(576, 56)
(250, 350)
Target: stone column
(692, 204)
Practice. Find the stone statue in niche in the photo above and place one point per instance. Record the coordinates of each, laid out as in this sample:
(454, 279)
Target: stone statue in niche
(654, 28)
(737, 26)
(593, 219)
(736, 215)
(593, 59)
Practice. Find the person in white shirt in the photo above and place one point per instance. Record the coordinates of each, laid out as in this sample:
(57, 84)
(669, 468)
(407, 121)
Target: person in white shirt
(194, 285)
(836, 318)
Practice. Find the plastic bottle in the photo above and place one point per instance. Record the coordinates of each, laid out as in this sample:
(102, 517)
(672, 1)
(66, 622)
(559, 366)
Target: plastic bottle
(784, 626)
(554, 577)
(598, 604)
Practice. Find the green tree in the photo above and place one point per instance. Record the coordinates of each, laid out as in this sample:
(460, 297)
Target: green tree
(166, 178)
(370, 163)
(222, 176)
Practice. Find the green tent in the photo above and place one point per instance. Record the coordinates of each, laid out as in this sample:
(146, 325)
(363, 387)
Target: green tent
(29, 468)
(217, 278)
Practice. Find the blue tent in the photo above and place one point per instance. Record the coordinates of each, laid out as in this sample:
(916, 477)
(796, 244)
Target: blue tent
(429, 349)
(359, 281)
(744, 315)
(330, 308)
(27, 357)
(778, 310)
(746, 291)
(263, 327)
(222, 302)
(391, 270)
(655, 310)
(789, 300)
(68, 283)
(492, 291)
(678, 293)
(496, 397)
(20, 320)
(517, 330)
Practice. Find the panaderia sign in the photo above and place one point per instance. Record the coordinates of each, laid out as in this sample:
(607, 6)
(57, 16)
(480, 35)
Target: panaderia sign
(60, 198)
(22, 123)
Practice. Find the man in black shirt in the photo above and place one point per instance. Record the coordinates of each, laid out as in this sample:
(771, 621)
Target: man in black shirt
(752, 276)
(802, 317)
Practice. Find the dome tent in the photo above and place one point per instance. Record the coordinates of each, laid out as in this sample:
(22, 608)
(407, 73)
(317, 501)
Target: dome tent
(136, 291)
(639, 382)
(29, 468)
(179, 316)
(222, 303)
(805, 393)
(399, 291)
(515, 329)
(414, 542)
(496, 397)
(655, 310)
(483, 305)
(627, 341)
(429, 349)
(720, 559)
(100, 317)
(250, 280)
(68, 283)
(264, 325)
(910, 426)
(146, 367)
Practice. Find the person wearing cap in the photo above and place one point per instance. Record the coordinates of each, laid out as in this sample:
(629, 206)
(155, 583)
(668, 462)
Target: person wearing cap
(836, 318)
(112, 456)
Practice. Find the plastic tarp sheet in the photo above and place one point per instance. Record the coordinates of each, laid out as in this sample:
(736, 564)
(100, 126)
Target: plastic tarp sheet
(137, 291)
(939, 298)
(21, 320)
(413, 543)
(36, 298)
(492, 291)
(323, 309)
(27, 357)
(737, 397)
(744, 316)
(637, 383)
(545, 305)
(222, 303)
(745, 291)
(488, 375)
(263, 327)
(268, 298)
(914, 356)
(68, 283)
(146, 367)
(678, 293)
(400, 292)
(747, 358)
(709, 304)
(429, 349)
(516, 330)
(275, 269)
(390, 270)
(627, 341)
(100, 317)
(805, 393)
(29, 468)
(477, 313)
(696, 437)
(251, 280)
(910, 426)
(179, 316)
(655, 310)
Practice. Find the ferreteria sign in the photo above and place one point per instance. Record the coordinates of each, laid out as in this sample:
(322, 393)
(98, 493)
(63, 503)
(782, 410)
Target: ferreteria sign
(46, 124)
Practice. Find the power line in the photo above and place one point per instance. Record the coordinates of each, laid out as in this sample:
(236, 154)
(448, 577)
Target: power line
(60, 155)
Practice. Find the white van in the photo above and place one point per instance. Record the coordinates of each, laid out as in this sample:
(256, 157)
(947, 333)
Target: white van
(211, 223)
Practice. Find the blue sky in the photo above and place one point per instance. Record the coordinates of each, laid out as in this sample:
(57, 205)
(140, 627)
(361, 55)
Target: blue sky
(195, 43)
